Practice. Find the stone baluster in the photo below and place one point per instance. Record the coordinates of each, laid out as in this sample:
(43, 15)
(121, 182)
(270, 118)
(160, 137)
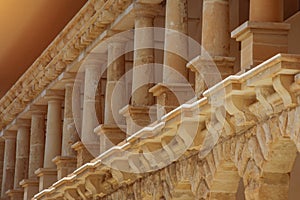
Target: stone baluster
(9, 162)
(36, 153)
(48, 174)
(264, 35)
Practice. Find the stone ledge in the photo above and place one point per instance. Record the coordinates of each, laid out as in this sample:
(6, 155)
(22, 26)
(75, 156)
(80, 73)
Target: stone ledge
(267, 26)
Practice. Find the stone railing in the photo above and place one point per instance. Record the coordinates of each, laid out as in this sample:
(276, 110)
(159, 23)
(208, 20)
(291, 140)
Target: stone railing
(258, 111)
(83, 29)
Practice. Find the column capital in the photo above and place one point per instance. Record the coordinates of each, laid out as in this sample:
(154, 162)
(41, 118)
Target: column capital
(51, 95)
(68, 78)
(8, 134)
(94, 61)
(22, 123)
(118, 43)
(146, 10)
(38, 109)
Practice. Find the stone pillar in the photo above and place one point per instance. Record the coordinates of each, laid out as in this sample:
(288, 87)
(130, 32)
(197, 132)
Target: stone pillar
(9, 162)
(264, 35)
(22, 152)
(66, 163)
(266, 11)
(213, 64)
(137, 114)
(112, 119)
(54, 128)
(37, 146)
(89, 144)
(175, 87)
(176, 20)
(37, 139)
(48, 174)
(22, 156)
(215, 27)
(2, 145)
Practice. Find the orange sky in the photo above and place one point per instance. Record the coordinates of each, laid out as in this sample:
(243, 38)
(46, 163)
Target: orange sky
(27, 27)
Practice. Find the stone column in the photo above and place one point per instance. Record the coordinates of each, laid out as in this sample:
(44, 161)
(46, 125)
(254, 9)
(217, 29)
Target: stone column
(264, 35)
(22, 152)
(213, 64)
(112, 119)
(66, 163)
(9, 162)
(137, 114)
(22, 156)
(2, 145)
(54, 128)
(215, 27)
(89, 144)
(48, 174)
(176, 21)
(36, 153)
(175, 87)
(266, 11)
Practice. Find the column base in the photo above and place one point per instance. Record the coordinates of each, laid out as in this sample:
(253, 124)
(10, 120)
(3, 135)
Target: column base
(114, 135)
(210, 71)
(65, 165)
(83, 155)
(15, 194)
(171, 95)
(137, 117)
(260, 41)
(47, 177)
(31, 187)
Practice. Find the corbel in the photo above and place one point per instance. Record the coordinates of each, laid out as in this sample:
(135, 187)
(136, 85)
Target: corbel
(281, 84)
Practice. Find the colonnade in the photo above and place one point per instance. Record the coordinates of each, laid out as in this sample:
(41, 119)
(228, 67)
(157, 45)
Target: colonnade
(45, 147)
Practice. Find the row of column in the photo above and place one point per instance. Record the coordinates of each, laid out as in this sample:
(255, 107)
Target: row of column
(39, 151)
(50, 154)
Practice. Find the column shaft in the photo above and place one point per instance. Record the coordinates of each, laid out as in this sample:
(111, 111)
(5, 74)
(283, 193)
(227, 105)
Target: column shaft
(215, 27)
(266, 10)
(143, 56)
(176, 43)
(89, 146)
(70, 135)
(110, 132)
(37, 143)
(9, 162)
(115, 71)
(53, 132)
(22, 153)
(2, 151)
(90, 102)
